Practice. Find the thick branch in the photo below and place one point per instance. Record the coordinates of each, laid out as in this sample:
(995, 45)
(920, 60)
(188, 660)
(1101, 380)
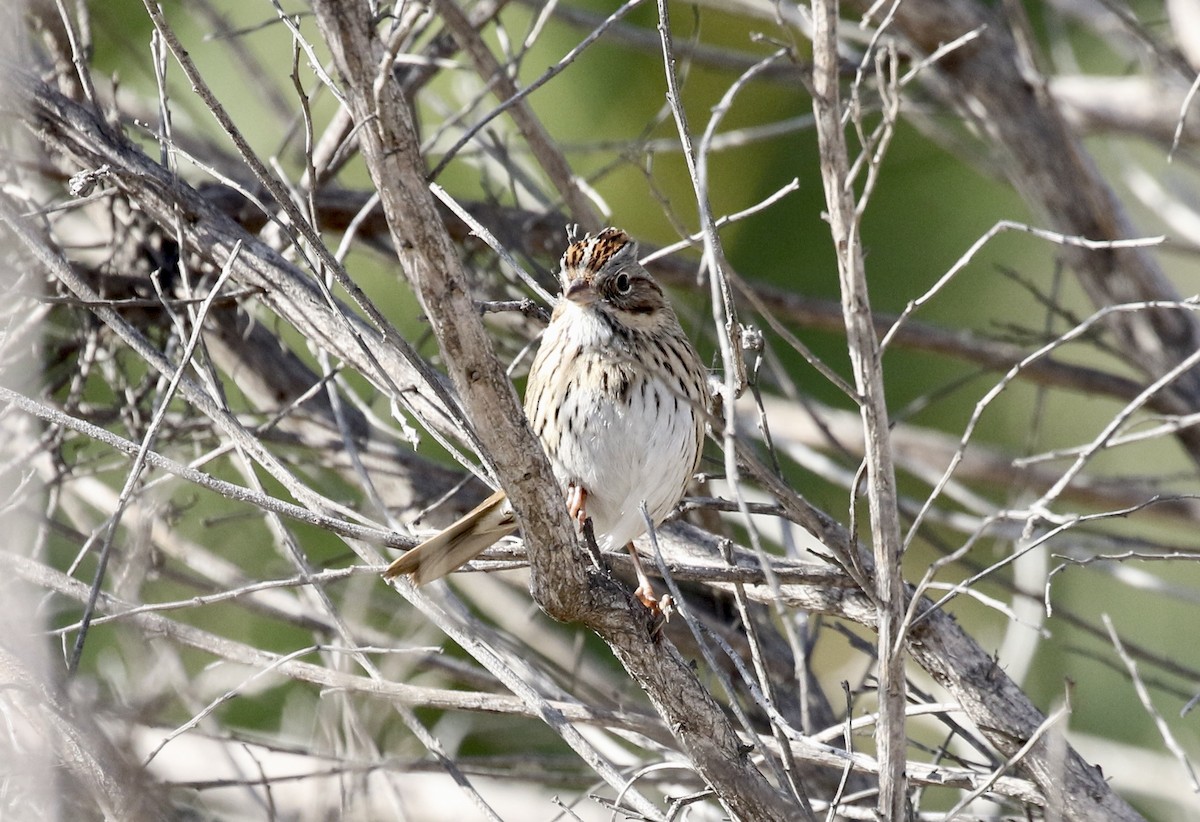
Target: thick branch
(560, 583)
(993, 702)
(866, 359)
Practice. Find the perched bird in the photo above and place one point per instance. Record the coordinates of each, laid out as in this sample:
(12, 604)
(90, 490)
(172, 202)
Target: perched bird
(618, 397)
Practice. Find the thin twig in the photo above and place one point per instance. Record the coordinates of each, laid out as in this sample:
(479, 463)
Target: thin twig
(1139, 687)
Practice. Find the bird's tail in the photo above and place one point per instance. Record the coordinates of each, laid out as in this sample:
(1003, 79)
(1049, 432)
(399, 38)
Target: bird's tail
(457, 545)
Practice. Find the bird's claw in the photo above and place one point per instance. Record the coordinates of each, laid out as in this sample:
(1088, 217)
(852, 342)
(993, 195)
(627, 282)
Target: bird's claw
(663, 606)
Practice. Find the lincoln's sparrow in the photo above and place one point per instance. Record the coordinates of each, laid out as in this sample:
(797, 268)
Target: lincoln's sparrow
(618, 397)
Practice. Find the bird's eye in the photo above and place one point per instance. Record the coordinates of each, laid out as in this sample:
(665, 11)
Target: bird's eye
(623, 283)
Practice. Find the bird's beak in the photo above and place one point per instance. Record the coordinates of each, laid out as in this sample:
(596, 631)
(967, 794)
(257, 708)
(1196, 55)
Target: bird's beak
(581, 292)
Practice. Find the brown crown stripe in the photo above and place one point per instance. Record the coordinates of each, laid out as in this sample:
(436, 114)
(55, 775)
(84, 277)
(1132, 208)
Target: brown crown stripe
(593, 252)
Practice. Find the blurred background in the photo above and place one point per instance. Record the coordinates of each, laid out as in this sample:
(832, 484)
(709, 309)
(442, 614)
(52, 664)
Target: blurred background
(1051, 582)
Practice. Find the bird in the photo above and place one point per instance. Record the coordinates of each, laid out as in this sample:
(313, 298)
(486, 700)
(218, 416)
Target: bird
(617, 396)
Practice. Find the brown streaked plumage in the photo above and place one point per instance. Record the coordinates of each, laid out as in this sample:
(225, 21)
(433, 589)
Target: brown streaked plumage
(616, 394)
